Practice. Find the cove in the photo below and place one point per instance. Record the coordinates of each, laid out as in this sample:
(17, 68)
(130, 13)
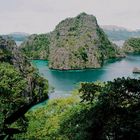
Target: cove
(66, 81)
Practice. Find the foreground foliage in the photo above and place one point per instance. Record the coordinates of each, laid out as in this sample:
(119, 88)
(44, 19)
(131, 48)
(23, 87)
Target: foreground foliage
(105, 111)
(20, 88)
(116, 115)
(44, 122)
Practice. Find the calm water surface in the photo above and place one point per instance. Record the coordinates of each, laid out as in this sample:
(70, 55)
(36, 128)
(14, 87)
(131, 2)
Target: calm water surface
(18, 43)
(65, 81)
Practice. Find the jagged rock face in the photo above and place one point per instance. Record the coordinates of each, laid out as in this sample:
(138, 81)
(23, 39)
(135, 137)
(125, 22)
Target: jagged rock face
(9, 53)
(78, 43)
(6, 48)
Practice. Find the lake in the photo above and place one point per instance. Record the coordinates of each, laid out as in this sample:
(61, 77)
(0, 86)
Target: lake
(18, 43)
(66, 81)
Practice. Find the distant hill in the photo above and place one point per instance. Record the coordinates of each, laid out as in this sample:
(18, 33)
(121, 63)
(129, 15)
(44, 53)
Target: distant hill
(132, 45)
(18, 36)
(116, 33)
(36, 46)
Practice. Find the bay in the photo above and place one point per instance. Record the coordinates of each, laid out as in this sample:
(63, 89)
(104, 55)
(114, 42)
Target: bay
(65, 81)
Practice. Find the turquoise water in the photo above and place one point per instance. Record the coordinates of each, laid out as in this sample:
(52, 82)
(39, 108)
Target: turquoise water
(65, 81)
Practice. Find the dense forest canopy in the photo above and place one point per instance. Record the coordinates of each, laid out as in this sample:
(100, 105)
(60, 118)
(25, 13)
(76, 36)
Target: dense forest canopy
(20, 88)
(36, 47)
(132, 45)
(99, 111)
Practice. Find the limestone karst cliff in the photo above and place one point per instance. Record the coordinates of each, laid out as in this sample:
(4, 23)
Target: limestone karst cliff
(75, 43)
(78, 43)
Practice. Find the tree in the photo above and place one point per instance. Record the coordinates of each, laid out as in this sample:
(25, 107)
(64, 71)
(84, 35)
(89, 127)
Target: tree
(107, 111)
(44, 122)
(117, 113)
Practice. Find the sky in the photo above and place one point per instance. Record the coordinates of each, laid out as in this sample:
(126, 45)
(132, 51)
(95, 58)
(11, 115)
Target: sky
(41, 16)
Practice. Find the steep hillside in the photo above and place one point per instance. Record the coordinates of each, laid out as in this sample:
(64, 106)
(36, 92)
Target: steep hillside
(20, 88)
(36, 47)
(132, 45)
(78, 43)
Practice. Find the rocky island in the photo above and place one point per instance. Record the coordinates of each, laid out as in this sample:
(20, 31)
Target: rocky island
(76, 43)
(79, 43)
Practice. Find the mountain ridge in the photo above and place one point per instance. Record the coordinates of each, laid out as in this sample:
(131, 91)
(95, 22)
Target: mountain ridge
(17, 36)
(116, 33)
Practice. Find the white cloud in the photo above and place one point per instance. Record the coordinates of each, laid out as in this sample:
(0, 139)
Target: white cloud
(36, 16)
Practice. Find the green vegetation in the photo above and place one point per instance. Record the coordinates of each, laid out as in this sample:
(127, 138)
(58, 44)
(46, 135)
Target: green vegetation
(36, 47)
(132, 45)
(5, 54)
(12, 86)
(105, 111)
(20, 89)
(83, 53)
(106, 47)
(116, 114)
(44, 122)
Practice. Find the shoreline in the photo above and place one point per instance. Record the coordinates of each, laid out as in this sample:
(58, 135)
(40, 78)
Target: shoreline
(78, 69)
